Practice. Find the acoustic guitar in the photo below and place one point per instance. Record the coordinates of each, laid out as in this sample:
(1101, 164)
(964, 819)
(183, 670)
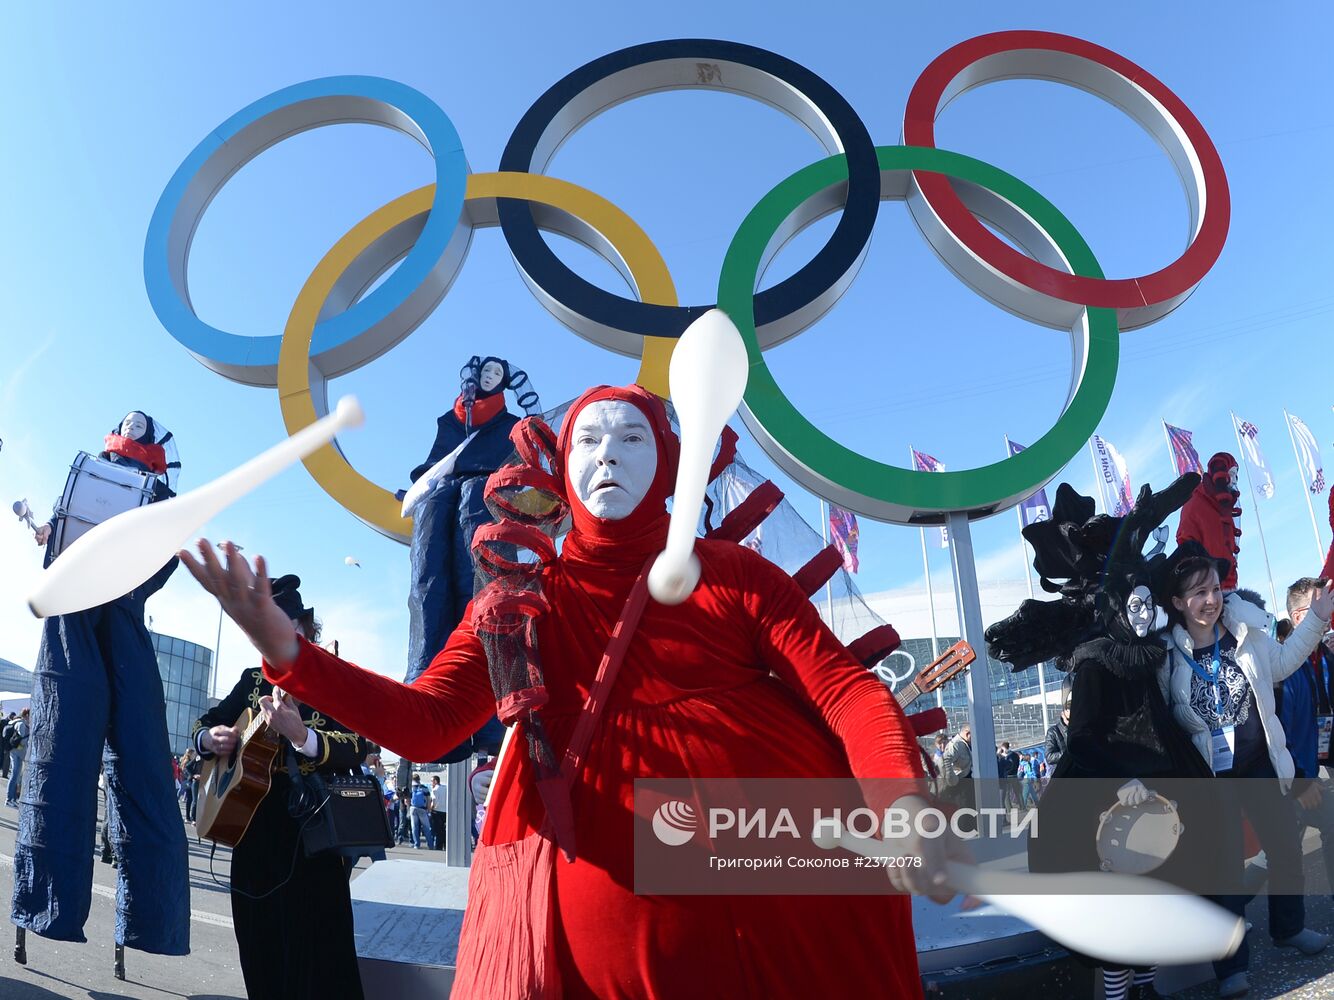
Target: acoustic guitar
(232, 787)
(944, 668)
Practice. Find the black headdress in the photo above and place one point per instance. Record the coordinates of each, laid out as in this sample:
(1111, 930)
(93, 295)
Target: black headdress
(1098, 560)
(514, 379)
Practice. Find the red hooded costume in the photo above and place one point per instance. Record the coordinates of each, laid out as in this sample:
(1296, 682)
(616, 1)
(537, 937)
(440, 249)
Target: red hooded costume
(741, 680)
(1210, 515)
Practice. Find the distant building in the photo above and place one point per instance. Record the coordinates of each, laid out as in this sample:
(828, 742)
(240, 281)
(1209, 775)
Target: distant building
(15, 687)
(14, 678)
(1016, 698)
(1016, 702)
(187, 679)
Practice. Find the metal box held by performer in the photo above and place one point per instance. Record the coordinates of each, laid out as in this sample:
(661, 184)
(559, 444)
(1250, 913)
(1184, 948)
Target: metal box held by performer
(95, 491)
(1050, 972)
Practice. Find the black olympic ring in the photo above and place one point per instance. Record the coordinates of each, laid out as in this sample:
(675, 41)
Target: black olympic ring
(786, 308)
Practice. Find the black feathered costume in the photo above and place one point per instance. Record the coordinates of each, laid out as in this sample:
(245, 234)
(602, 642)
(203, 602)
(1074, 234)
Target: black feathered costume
(97, 703)
(1120, 725)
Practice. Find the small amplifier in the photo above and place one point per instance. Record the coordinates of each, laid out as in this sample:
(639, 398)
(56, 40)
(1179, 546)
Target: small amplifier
(350, 814)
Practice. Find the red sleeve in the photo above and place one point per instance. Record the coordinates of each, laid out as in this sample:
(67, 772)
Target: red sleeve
(797, 646)
(418, 721)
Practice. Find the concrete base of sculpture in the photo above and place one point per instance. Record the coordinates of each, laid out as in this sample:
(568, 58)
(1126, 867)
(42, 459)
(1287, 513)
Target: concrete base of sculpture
(407, 916)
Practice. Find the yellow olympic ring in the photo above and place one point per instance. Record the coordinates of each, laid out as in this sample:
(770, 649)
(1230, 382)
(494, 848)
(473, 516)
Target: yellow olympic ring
(576, 212)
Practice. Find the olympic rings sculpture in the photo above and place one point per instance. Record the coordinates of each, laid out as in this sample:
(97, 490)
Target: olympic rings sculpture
(336, 325)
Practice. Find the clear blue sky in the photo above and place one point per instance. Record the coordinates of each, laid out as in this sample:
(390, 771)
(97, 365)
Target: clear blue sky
(102, 106)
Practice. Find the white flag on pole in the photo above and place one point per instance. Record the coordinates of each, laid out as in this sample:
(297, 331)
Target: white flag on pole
(1261, 477)
(1113, 478)
(1308, 454)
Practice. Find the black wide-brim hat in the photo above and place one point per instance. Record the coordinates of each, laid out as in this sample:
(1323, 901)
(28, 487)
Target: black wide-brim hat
(1167, 574)
(287, 595)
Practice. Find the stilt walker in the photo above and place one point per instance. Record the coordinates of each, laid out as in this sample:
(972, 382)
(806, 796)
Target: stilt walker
(97, 704)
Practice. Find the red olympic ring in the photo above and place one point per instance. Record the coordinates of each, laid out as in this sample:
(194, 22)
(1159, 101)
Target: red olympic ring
(997, 56)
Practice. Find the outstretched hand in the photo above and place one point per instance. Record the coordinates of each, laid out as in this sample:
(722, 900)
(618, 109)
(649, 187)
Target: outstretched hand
(1322, 604)
(246, 599)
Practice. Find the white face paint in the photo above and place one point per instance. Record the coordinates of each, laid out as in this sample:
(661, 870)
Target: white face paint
(1140, 611)
(491, 375)
(612, 459)
(133, 426)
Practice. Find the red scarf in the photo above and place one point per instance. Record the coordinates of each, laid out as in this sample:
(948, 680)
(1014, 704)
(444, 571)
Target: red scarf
(484, 408)
(151, 455)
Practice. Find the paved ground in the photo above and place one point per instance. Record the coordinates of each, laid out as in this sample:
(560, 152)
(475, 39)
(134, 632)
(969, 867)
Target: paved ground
(1286, 973)
(210, 972)
(61, 969)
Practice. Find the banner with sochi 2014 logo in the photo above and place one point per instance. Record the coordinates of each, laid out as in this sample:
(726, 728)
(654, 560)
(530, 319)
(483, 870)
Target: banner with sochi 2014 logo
(1308, 454)
(1262, 479)
(1113, 478)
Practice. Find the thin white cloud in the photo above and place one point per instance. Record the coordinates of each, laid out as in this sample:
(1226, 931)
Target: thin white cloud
(20, 372)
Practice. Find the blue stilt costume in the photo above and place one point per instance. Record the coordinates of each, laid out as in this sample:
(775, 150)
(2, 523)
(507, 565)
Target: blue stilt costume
(97, 703)
(446, 516)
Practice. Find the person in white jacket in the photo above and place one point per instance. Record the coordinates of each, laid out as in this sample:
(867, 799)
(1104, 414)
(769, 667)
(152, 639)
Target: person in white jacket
(1223, 666)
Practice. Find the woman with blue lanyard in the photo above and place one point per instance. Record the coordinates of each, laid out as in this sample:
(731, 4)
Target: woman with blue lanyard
(1223, 668)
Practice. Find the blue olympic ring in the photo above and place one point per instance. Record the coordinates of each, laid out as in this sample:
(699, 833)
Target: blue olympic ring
(340, 339)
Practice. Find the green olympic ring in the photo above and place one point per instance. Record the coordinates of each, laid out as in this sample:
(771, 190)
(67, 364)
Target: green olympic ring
(886, 492)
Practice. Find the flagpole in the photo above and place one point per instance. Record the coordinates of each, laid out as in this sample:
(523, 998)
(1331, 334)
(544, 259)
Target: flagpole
(1255, 505)
(1306, 488)
(824, 533)
(1028, 579)
(1171, 453)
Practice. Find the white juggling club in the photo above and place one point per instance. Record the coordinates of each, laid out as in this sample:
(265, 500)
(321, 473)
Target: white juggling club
(707, 377)
(122, 552)
(1141, 921)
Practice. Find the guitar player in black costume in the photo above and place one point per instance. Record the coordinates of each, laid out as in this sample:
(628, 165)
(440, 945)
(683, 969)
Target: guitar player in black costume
(292, 912)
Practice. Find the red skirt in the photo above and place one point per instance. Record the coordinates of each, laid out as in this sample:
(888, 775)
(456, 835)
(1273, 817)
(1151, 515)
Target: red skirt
(611, 943)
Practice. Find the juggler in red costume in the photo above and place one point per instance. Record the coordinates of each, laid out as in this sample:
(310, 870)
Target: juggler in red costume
(742, 680)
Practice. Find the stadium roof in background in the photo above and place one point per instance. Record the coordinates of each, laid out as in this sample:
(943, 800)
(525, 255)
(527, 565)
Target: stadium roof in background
(14, 678)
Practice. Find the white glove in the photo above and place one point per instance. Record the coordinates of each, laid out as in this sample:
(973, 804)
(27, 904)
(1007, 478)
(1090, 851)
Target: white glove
(1132, 793)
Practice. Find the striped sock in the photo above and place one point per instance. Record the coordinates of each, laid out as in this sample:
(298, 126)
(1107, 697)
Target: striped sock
(1145, 977)
(1115, 982)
